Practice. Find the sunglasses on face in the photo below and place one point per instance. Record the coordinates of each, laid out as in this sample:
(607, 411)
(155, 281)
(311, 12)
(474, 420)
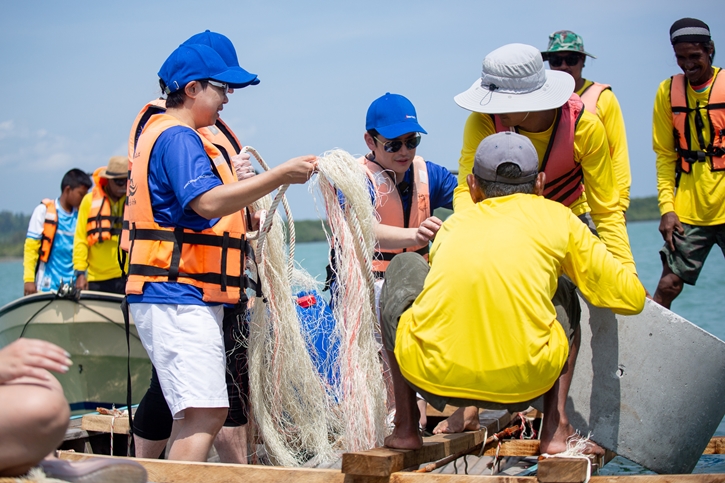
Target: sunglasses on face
(119, 181)
(571, 60)
(221, 85)
(395, 145)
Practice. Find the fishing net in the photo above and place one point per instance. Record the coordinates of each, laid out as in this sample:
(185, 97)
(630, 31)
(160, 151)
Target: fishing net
(311, 400)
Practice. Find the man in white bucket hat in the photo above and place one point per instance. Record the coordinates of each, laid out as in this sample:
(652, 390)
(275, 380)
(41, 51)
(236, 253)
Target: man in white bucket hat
(516, 93)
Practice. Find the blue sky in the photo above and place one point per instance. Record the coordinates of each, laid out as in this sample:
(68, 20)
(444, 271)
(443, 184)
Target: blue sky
(76, 73)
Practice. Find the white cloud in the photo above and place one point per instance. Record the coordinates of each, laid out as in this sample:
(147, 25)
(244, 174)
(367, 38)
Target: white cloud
(29, 149)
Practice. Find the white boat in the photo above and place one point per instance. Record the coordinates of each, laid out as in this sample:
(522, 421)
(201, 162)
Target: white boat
(90, 327)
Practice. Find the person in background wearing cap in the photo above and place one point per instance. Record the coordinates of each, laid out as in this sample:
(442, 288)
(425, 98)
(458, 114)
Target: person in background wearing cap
(153, 421)
(100, 218)
(516, 93)
(405, 188)
(566, 53)
(690, 163)
(48, 250)
(493, 272)
(186, 242)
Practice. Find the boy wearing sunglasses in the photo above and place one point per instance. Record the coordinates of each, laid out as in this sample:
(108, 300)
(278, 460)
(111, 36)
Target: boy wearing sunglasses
(566, 53)
(406, 189)
(100, 219)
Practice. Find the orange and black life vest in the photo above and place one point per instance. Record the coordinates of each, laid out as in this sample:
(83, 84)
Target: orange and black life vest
(50, 226)
(591, 94)
(564, 178)
(681, 111)
(220, 135)
(389, 205)
(211, 259)
(101, 225)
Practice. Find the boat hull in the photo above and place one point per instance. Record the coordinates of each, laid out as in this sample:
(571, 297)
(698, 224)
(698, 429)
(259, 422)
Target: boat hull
(92, 330)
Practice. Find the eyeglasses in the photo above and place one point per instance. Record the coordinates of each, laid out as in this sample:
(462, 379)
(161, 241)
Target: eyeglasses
(120, 181)
(221, 85)
(395, 145)
(571, 59)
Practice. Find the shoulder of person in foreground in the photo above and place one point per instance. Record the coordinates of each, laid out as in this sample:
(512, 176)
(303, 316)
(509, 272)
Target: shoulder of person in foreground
(602, 279)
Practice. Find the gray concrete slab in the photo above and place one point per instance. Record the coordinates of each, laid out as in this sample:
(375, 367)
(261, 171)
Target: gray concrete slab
(649, 387)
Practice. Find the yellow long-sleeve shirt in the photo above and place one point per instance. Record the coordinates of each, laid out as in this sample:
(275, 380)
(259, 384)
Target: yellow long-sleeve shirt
(610, 113)
(31, 254)
(484, 326)
(591, 150)
(699, 198)
(100, 259)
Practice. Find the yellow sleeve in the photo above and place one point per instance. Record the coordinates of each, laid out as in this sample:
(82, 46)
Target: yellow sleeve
(31, 253)
(663, 144)
(591, 149)
(80, 240)
(601, 278)
(478, 126)
(610, 114)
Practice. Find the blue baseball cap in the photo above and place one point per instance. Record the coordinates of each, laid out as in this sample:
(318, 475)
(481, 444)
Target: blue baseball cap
(198, 62)
(392, 115)
(223, 46)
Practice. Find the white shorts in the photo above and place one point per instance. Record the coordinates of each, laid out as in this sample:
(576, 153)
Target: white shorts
(186, 346)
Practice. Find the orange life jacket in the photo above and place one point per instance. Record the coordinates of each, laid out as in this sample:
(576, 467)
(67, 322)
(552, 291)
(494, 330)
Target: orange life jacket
(211, 259)
(591, 94)
(220, 135)
(389, 206)
(50, 226)
(681, 111)
(101, 225)
(564, 178)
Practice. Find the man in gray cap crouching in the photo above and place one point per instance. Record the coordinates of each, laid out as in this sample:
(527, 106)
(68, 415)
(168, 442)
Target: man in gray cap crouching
(444, 327)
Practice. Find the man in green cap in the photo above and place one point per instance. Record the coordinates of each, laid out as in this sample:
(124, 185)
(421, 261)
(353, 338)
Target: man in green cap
(566, 53)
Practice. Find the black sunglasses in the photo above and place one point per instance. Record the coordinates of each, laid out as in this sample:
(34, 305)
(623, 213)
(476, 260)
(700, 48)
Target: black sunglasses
(119, 181)
(395, 145)
(571, 60)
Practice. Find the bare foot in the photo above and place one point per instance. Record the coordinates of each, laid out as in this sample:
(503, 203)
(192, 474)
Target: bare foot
(463, 419)
(557, 443)
(403, 440)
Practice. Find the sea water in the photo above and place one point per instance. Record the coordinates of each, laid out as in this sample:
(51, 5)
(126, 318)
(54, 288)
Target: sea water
(702, 305)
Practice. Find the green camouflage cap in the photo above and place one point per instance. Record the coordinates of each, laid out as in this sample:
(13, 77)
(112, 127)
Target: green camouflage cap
(566, 41)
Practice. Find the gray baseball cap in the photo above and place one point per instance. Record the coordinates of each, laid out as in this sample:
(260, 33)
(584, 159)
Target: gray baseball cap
(506, 147)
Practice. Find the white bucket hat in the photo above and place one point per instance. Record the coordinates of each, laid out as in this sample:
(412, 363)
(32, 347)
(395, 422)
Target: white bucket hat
(514, 80)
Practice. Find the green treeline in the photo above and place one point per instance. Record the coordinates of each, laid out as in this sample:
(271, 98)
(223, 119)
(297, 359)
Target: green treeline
(13, 226)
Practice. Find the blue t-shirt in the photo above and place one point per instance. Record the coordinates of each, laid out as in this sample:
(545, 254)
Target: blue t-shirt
(59, 268)
(179, 171)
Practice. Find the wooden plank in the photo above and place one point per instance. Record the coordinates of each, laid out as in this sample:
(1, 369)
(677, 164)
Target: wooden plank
(562, 470)
(162, 471)
(102, 423)
(715, 446)
(385, 461)
(514, 447)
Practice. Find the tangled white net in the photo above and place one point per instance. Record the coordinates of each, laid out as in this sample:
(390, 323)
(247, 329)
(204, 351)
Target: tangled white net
(302, 415)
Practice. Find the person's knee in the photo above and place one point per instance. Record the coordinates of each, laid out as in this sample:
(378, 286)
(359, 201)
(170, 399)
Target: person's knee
(210, 419)
(670, 284)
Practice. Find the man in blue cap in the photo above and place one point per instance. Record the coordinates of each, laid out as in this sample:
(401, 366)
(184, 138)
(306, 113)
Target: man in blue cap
(406, 188)
(153, 420)
(186, 241)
